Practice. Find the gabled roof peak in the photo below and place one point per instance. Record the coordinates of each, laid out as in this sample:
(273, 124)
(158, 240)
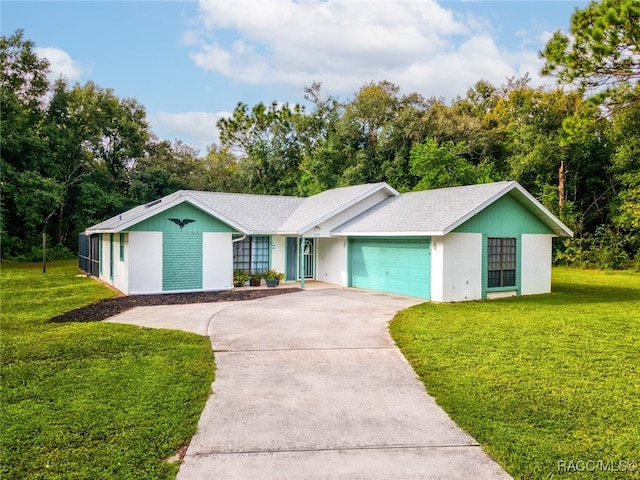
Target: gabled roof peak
(324, 205)
(440, 211)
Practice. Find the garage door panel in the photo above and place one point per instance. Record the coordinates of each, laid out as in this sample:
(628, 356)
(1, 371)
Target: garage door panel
(404, 260)
(414, 273)
(391, 265)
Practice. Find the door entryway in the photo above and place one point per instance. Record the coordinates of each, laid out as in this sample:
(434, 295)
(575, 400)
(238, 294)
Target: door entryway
(293, 258)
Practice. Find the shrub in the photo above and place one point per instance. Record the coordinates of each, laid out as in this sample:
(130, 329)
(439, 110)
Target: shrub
(54, 252)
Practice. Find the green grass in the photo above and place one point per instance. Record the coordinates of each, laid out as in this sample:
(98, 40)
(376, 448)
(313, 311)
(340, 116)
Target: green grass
(542, 379)
(91, 400)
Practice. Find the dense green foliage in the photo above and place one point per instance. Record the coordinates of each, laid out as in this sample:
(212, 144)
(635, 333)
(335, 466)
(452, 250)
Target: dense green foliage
(542, 379)
(91, 400)
(74, 155)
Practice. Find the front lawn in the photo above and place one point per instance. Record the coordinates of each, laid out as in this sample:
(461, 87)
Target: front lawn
(91, 400)
(545, 383)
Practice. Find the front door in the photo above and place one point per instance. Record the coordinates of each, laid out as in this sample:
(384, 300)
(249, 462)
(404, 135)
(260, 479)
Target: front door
(293, 258)
(292, 271)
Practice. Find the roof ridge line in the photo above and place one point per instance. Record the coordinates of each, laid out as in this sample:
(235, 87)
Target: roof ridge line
(207, 192)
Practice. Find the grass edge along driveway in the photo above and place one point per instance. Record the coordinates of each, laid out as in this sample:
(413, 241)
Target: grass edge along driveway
(545, 383)
(91, 400)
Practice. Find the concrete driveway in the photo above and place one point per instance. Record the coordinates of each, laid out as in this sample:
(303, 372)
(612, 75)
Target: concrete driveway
(310, 385)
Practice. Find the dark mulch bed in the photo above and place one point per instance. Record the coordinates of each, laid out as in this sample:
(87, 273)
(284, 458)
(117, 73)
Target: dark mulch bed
(112, 306)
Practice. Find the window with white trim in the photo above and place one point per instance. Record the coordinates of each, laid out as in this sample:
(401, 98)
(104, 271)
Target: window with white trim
(501, 262)
(252, 254)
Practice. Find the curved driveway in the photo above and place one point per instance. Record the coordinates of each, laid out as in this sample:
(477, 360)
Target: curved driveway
(310, 385)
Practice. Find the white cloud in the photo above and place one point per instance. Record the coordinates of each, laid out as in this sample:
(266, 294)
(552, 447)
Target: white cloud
(61, 64)
(195, 128)
(418, 45)
(545, 36)
(190, 38)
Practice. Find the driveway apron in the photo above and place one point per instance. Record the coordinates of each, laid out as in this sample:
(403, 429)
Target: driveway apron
(310, 385)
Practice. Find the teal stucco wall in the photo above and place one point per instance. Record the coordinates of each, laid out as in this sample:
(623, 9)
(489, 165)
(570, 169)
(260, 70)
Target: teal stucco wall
(182, 248)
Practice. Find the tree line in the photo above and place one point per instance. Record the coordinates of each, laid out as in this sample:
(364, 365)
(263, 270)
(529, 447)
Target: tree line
(74, 155)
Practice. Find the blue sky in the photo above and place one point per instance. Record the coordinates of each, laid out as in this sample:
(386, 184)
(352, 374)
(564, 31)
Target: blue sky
(189, 63)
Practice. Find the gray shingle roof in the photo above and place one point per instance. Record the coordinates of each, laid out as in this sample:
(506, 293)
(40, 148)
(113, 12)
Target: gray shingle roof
(316, 209)
(256, 213)
(436, 211)
(431, 212)
(139, 212)
(250, 213)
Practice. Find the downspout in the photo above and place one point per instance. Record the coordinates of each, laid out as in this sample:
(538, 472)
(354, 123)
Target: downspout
(239, 239)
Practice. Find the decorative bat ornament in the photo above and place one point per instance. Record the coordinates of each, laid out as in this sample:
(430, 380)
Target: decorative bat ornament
(181, 223)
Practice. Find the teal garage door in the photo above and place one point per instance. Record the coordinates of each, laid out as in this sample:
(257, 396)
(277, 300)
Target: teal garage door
(181, 261)
(400, 266)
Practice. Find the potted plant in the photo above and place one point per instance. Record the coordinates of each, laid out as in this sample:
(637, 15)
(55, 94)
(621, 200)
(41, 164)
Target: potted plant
(272, 277)
(255, 279)
(240, 277)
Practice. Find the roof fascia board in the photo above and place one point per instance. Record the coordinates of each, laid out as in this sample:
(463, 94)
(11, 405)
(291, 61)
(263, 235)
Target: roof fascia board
(148, 214)
(427, 233)
(217, 215)
(382, 186)
(177, 201)
(479, 208)
(140, 218)
(561, 227)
